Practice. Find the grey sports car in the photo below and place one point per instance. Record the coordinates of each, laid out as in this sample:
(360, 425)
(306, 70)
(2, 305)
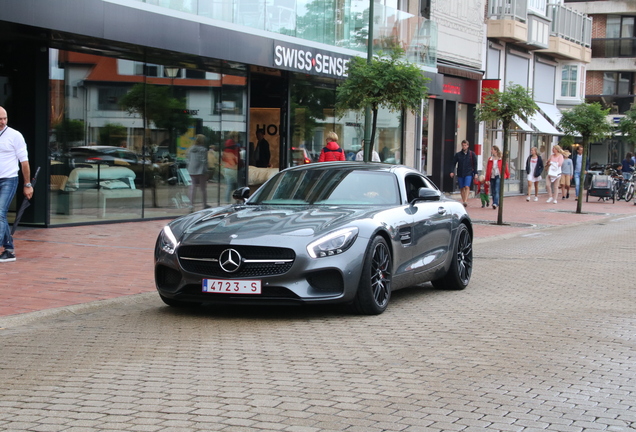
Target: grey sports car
(344, 232)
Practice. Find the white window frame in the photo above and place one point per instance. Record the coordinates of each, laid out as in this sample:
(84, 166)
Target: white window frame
(580, 84)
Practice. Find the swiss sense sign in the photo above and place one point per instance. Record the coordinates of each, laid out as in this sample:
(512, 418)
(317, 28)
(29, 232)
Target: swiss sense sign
(312, 61)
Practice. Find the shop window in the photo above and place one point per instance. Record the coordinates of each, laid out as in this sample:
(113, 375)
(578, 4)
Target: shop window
(147, 127)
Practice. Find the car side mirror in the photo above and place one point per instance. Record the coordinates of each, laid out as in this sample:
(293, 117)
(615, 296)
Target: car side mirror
(241, 194)
(426, 194)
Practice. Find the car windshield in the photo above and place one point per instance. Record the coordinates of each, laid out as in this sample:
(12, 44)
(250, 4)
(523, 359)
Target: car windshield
(329, 187)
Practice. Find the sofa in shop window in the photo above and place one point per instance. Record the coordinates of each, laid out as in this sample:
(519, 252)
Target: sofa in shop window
(96, 187)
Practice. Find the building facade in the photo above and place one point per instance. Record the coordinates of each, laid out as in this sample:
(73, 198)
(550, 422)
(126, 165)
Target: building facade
(543, 46)
(611, 72)
(111, 94)
(450, 116)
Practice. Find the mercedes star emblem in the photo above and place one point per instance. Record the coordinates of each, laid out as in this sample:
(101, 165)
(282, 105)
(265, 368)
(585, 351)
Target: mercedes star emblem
(230, 260)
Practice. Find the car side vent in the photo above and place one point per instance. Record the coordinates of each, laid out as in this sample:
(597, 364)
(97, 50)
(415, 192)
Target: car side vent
(405, 236)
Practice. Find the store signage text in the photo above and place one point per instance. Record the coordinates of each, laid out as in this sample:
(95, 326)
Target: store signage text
(310, 61)
(452, 89)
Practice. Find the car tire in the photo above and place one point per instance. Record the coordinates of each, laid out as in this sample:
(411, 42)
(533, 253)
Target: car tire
(461, 268)
(177, 303)
(374, 289)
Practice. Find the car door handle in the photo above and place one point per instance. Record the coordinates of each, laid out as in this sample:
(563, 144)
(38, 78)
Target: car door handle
(441, 211)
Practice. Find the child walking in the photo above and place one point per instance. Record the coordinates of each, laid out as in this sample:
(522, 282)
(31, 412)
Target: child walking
(482, 190)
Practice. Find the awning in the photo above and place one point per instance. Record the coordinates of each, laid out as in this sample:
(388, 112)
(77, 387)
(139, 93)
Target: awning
(542, 125)
(522, 125)
(551, 111)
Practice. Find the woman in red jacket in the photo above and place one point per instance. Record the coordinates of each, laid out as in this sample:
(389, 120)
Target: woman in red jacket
(493, 174)
(332, 151)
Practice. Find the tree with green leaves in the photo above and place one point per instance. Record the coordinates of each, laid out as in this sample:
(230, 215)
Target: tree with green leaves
(627, 125)
(155, 103)
(112, 134)
(589, 121)
(68, 131)
(384, 82)
(504, 106)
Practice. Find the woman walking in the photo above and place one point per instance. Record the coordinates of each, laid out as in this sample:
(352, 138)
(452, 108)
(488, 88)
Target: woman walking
(534, 168)
(553, 165)
(493, 174)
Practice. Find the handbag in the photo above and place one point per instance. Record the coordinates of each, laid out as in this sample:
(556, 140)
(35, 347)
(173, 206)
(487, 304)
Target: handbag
(554, 170)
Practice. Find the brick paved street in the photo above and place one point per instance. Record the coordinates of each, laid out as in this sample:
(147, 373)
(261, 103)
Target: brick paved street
(62, 267)
(543, 339)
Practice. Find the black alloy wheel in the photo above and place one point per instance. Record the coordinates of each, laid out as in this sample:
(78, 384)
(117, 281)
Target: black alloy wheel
(374, 290)
(461, 268)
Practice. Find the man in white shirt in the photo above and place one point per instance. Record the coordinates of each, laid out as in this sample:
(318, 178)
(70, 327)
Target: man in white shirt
(13, 155)
(375, 157)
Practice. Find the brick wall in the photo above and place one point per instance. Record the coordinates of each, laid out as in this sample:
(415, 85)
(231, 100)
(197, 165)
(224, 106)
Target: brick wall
(599, 23)
(594, 83)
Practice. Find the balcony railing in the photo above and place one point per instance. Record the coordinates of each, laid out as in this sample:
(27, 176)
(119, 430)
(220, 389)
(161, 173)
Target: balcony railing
(322, 21)
(607, 48)
(570, 25)
(508, 9)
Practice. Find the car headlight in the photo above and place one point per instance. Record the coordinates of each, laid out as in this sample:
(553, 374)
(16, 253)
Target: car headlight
(333, 243)
(168, 241)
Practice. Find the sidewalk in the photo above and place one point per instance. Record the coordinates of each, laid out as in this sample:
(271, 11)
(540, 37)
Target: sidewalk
(60, 267)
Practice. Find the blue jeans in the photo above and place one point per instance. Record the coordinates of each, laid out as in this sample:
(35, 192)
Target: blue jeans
(577, 182)
(494, 190)
(8, 187)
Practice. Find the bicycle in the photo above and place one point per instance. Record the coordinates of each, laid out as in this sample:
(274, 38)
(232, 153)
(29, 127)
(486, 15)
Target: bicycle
(629, 188)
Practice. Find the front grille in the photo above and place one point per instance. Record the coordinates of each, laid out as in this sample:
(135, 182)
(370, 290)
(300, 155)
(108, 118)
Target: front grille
(203, 260)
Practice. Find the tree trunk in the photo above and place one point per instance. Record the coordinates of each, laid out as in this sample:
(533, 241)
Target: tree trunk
(586, 148)
(502, 175)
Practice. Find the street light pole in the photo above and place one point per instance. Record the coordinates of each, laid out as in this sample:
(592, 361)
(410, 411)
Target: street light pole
(367, 110)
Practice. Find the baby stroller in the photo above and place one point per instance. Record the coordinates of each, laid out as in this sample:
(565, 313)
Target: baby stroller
(602, 186)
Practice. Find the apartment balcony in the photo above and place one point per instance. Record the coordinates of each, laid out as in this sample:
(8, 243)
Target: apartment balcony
(508, 20)
(545, 27)
(570, 34)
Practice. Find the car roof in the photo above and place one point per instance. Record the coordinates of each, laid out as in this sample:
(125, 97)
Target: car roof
(350, 166)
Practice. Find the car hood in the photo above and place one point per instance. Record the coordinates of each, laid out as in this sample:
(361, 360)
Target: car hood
(238, 224)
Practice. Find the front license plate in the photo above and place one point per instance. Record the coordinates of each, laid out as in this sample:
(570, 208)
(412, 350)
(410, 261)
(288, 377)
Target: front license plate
(230, 286)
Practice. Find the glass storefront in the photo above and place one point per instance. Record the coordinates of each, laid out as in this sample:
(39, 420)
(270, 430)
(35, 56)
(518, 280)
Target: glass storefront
(313, 116)
(120, 130)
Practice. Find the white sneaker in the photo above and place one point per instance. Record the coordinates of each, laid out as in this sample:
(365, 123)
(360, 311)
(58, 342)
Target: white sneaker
(554, 202)
(549, 200)
(536, 199)
(528, 198)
